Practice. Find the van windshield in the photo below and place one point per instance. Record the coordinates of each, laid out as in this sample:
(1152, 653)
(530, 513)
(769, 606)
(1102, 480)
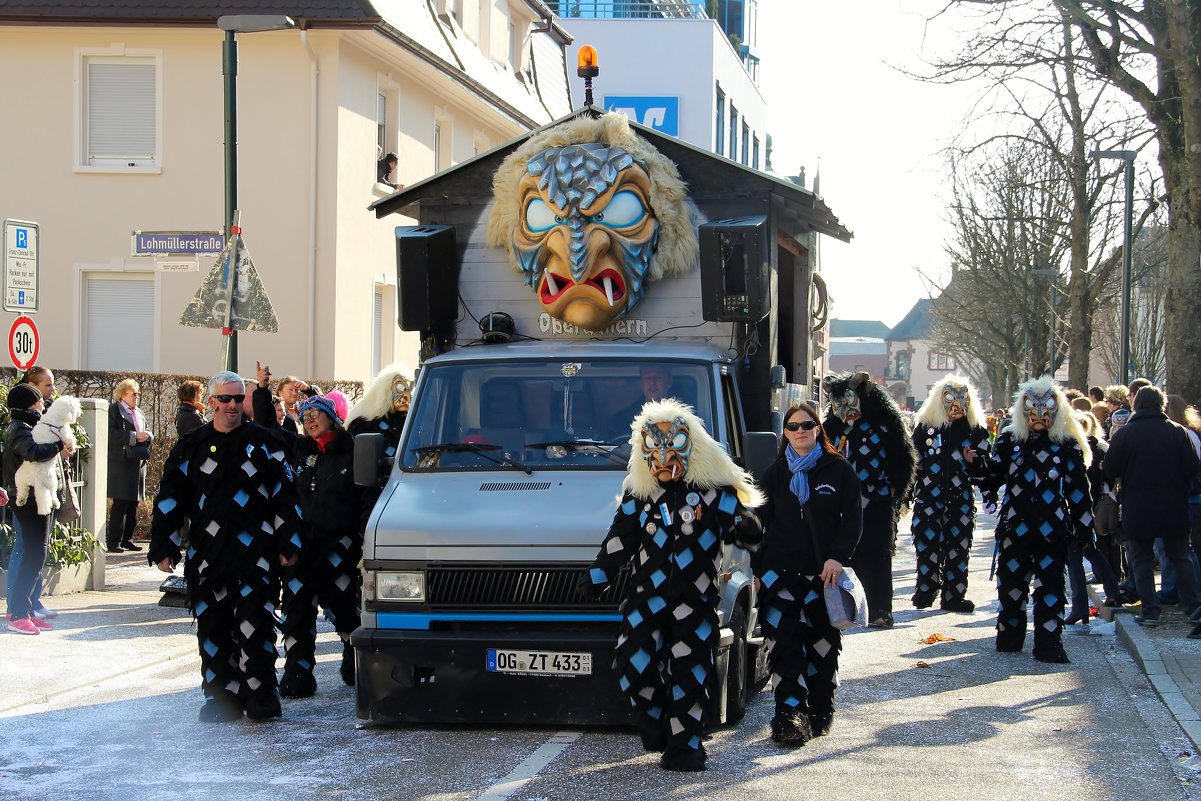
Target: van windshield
(541, 414)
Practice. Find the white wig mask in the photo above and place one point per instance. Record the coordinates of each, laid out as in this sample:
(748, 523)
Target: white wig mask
(952, 390)
(1042, 398)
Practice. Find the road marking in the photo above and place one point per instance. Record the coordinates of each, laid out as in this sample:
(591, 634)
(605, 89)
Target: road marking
(527, 770)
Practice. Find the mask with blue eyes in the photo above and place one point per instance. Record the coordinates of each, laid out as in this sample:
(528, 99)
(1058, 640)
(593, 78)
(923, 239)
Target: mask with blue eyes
(1040, 410)
(587, 232)
(666, 447)
(955, 400)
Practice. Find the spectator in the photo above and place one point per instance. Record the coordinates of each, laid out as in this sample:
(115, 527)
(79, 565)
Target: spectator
(190, 414)
(1155, 461)
(1101, 411)
(384, 169)
(1096, 394)
(1096, 552)
(129, 445)
(1082, 404)
(1179, 412)
(655, 381)
(277, 403)
(41, 379)
(811, 520)
(292, 390)
(25, 406)
(228, 485)
(1136, 385)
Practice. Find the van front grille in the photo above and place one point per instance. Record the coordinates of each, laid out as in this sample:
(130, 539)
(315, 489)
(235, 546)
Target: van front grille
(517, 587)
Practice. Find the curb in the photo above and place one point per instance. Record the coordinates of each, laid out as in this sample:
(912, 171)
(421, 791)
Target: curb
(1143, 651)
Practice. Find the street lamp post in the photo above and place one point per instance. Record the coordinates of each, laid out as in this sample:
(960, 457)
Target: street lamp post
(1127, 254)
(234, 24)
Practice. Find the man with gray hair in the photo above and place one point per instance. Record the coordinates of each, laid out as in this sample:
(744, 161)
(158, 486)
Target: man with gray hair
(227, 485)
(1154, 460)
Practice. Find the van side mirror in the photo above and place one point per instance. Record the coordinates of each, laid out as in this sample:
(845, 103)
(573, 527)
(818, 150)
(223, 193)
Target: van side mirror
(759, 449)
(368, 451)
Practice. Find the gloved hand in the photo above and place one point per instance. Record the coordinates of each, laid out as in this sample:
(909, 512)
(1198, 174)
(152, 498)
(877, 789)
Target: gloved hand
(585, 588)
(748, 531)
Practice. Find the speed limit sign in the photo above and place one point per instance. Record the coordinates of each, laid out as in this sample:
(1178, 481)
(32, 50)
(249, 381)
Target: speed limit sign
(23, 343)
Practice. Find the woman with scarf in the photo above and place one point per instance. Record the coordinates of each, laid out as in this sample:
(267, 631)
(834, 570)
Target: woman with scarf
(129, 444)
(812, 522)
(25, 408)
(189, 416)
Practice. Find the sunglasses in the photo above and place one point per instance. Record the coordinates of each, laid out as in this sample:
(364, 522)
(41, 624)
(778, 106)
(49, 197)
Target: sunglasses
(229, 398)
(807, 425)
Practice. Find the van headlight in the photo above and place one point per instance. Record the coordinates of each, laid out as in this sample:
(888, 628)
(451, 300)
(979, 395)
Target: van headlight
(406, 585)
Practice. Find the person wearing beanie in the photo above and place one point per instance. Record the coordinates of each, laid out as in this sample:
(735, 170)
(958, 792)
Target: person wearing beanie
(327, 573)
(25, 406)
(1155, 461)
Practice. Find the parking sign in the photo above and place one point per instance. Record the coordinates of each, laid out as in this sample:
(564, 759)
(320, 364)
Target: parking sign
(21, 266)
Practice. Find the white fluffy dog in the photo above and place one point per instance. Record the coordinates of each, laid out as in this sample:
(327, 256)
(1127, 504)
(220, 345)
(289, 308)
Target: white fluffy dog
(43, 477)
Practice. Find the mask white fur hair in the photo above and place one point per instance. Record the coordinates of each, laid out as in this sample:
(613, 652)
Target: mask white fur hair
(678, 251)
(1065, 426)
(377, 400)
(933, 413)
(709, 466)
(43, 477)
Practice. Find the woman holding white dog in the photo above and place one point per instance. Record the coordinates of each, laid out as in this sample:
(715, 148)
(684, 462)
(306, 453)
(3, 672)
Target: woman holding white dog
(128, 452)
(25, 408)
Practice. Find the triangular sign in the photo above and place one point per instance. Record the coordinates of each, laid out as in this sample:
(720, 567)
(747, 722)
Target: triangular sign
(252, 309)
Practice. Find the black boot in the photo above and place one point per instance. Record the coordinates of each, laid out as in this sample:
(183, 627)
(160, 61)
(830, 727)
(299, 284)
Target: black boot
(922, 600)
(347, 664)
(221, 709)
(1076, 617)
(651, 732)
(1010, 641)
(683, 759)
(264, 705)
(881, 620)
(791, 728)
(297, 683)
(821, 719)
(1051, 652)
(958, 605)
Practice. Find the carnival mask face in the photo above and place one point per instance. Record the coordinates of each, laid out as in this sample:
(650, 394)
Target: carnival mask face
(955, 401)
(847, 407)
(402, 394)
(587, 232)
(666, 447)
(1040, 410)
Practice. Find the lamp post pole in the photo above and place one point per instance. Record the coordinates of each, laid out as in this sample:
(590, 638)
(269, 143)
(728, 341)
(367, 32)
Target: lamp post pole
(232, 25)
(1127, 255)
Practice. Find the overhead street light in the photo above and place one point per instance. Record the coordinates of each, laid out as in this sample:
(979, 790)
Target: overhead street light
(1127, 255)
(233, 24)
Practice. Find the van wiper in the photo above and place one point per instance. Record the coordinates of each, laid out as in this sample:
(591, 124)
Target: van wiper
(590, 445)
(474, 447)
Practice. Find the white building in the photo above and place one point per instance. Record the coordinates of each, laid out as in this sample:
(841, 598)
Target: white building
(672, 68)
(116, 124)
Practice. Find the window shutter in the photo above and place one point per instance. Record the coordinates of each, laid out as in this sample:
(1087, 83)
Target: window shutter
(121, 111)
(377, 332)
(120, 324)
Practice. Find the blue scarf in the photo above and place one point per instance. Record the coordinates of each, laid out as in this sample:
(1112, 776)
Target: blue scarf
(800, 466)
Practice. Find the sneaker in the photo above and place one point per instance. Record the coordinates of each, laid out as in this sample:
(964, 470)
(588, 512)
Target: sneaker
(1148, 619)
(44, 613)
(44, 625)
(23, 625)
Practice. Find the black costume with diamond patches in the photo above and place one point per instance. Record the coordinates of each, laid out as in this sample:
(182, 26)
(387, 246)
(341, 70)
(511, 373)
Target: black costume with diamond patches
(667, 646)
(944, 508)
(1046, 505)
(232, 493)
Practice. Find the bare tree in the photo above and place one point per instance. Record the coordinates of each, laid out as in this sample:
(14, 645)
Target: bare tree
(1147, 338)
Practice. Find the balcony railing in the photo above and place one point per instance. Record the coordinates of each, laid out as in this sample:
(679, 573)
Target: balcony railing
(628, 9)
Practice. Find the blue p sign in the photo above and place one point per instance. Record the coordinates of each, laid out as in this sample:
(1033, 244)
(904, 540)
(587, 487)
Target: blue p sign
(22, 237)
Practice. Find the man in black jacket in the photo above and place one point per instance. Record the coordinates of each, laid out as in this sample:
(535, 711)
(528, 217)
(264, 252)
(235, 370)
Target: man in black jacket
(225, 484)
(1155, 462)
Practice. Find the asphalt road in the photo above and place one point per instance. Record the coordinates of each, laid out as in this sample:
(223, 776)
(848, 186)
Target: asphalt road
(104, 709)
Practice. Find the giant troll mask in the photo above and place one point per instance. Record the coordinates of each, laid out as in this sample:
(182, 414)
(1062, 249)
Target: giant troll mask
(589, 213)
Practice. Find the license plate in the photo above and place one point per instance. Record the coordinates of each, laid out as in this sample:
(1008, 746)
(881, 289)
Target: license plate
(539, 663)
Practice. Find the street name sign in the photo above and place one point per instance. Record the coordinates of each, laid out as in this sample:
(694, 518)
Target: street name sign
(155, 243)
(21, 266)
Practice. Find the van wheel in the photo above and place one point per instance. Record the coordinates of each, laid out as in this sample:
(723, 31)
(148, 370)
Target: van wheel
(737, 676)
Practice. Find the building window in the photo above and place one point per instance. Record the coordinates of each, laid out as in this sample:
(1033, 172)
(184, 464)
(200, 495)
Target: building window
(746, 143)
(755, 153)
(119, 322)
(733, 154)
(442, 134)
(377, 329)
(119, 103)
(381, 123)
(940, 361)
(902, 365)
(719, 146)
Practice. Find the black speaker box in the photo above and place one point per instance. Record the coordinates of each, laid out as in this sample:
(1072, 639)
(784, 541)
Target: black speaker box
(427, 277)
(735, 269)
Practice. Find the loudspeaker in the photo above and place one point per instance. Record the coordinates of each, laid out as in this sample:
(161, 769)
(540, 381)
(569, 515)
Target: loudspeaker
(735, 269)
(427, 277)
